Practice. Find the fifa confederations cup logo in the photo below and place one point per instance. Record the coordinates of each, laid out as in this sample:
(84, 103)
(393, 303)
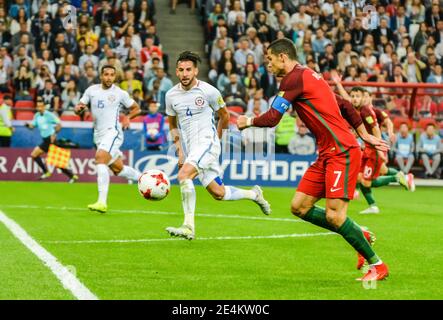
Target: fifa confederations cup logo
(370, 18)
(70, 17)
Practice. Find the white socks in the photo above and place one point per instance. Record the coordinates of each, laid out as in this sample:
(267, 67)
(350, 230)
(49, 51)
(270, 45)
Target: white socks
(129, 173)
(188, 201)
(102, 182)
(233, 193)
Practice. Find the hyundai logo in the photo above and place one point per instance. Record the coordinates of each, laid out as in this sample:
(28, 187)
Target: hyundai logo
(162, 162)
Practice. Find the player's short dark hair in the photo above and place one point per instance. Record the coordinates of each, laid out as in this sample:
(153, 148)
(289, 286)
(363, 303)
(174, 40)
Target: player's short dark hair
(285, 46)
(358, 89)
(189, 56)
(107, 66)
(7, 97)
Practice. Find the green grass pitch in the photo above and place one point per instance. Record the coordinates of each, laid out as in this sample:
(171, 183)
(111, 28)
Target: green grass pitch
(235, 257)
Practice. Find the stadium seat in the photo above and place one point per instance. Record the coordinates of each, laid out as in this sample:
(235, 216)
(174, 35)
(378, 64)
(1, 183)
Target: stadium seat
(423, 122)
(399, 120)
(24, 115)
(24, 104)
(70, 117)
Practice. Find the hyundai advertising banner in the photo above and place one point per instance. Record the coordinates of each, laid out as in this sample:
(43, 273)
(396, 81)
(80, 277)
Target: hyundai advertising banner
(17, 164)
(282, 170)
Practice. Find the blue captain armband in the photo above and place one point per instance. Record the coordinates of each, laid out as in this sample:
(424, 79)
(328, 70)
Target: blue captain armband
(280, 104)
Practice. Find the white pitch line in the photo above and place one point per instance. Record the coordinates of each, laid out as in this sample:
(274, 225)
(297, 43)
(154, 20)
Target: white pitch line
(155, 212)
(274, 236)
(68, 280)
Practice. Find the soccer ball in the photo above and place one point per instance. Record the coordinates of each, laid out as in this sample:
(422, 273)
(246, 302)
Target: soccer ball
(154, 185)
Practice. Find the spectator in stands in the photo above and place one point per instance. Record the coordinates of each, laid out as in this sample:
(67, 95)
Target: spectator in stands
(275, 13)
(400, 19)
(108, 38)
(6, 128)
(320, 42)
(23, 81)
(358, 35)
(104, 13)
(4, 78)
(130, 84)
(157, 95)
(223, 78)
(436, 75)
(404, 149)
(21, 19)
(19, 57)
(235, 92)
(150, 68)
(414, 68)
(368, 60)
(238, 29)
(264, 31)
(90, 37)
(50, 95)
(302, 143)
(66, 76)
(153, 127)
(268, 83)
(70, 98)
(383, 30)
(257, 105)
(137, 96)
(88, 56)
(328, 60)
(301, 17)
(344, 57)
(5, 35)
(399, 75)
(216, 53)
(165, 82)
(234, 12)
(430, 149)
(433, 15)
(253, 16)
(146, 53)
(241, 54)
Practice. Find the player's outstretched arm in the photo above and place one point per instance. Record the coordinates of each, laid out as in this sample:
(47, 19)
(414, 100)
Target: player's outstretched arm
(223, 121)
(378, 143)
(268, 119)
(336, 78)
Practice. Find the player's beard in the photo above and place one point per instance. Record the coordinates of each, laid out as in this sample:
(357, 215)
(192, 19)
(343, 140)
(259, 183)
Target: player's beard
(105, 84)
(189, 83)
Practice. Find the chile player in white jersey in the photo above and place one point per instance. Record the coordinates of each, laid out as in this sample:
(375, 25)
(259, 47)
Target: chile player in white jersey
(105, 101)
(191, 104)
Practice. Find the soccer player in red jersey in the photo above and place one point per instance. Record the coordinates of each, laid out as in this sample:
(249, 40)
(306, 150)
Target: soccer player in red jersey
(373, 170)
(334, 175)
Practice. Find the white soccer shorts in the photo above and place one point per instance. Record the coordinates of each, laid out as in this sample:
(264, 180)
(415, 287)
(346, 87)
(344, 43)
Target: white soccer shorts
(110, 142)
(206, 160)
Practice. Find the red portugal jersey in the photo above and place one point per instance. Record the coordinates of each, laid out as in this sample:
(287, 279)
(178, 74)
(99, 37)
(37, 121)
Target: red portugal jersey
(316, 105)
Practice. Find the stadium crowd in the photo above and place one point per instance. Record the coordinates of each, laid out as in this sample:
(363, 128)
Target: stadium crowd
(42, 53)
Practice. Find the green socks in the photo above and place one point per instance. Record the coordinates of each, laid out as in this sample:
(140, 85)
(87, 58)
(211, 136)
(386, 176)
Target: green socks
(383, 181)
(350, 231)
(353, 234)
(317, 216)
(392, 172)
(367, 193)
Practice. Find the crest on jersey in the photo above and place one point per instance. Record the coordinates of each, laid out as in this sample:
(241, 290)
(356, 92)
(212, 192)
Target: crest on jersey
(111, 98)
(199, 101)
